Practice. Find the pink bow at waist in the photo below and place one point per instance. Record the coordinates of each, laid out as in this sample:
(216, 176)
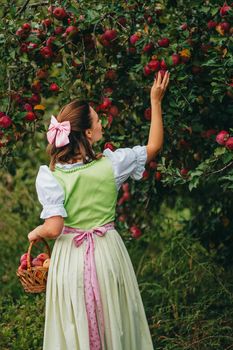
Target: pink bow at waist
(91, 287)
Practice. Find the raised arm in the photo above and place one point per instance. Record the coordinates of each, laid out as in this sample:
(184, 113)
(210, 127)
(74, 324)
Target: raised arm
(155, 140)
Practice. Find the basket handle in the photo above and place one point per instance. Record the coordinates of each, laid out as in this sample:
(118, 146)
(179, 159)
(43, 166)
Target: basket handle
(30, 248)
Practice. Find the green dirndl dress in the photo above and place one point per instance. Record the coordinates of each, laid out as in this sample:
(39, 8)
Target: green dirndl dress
(90, 200)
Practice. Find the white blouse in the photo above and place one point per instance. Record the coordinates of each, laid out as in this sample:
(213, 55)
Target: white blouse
(127, 162)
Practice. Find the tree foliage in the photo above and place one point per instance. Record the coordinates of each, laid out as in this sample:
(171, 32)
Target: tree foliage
(109, 53)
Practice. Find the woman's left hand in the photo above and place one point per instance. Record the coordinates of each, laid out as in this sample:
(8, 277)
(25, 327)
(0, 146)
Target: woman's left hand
(34, 236)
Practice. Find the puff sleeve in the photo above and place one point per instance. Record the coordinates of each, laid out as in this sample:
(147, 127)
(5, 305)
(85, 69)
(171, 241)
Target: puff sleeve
(127, 162)
(50, 194)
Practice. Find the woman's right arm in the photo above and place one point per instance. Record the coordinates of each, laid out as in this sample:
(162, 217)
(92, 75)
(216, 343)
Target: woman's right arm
(155, 140)
(51, 228)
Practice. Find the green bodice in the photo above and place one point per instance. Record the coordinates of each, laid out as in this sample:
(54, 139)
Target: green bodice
(90, 193)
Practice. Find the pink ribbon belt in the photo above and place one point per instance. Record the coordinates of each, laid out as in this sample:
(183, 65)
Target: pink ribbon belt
(91, 287)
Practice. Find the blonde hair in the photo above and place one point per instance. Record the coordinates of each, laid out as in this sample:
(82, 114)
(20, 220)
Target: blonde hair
(79, 115)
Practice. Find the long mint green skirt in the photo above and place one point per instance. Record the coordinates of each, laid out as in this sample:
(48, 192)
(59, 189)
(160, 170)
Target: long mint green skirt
(66, 324)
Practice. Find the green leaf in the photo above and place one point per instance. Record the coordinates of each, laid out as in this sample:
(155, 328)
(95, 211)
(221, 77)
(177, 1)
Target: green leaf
(192, 185)
(2, 38)
(24, 58)
(219, 151)
(73, 9)
(227, 157)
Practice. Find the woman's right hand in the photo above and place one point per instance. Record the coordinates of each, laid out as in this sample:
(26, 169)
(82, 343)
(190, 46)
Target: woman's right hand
(159, 87)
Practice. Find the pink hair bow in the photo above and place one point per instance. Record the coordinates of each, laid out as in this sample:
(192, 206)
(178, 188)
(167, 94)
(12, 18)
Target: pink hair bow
(58, 132)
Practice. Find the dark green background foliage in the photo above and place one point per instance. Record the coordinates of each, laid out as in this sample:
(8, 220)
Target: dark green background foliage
(183, 259)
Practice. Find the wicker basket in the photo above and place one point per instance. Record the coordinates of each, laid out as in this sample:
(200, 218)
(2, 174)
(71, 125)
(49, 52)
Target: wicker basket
(34, 278)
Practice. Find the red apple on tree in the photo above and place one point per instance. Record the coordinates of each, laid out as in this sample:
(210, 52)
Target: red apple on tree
(22, 34)
(71, 32)
(222, 137)
(184, 172)
(5, 121)
(145, 175)
(158, 175)
(59, 30)
(224, 9)
(104, 41)
(47, 22)
(113, 110)
(175, 59)
(147, 71)
(122, 218)
(225, 26)
(30, 116)
(54, 87)
(110, 34)
(46, 52)
(163, 65)
(32, 46)
(148, 48)
(126, 196)
(164, 42)
(125, 187)
(59, 13)
(35, 99)
(135, 231)
(154, 65)
(212, 24)
(150, 20)
(111, 74)
(120, 201)
(26, 27)
(50, 41)
(229, 143)
(110, 120)
(184, 26)
(106, 103)
(134, 38)
(24, 47)
(109, 145)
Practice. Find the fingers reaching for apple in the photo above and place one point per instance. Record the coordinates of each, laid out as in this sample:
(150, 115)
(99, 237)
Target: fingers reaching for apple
(159, 86)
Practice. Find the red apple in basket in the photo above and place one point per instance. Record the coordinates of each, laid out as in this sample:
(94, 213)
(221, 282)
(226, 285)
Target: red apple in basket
(46, 263)
(43, 256)
(23, 265)
(37, 262)
(24, 257)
